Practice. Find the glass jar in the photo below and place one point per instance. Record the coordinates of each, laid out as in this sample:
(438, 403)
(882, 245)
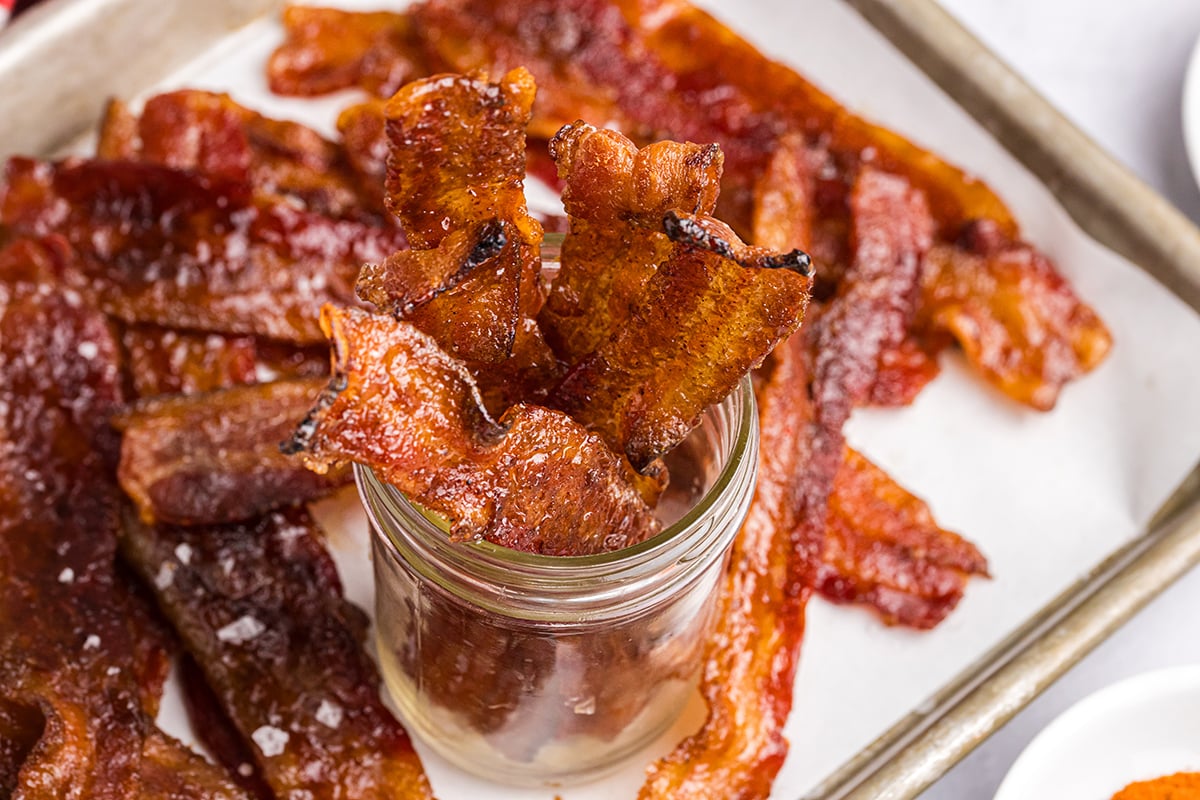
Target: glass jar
(538, 670)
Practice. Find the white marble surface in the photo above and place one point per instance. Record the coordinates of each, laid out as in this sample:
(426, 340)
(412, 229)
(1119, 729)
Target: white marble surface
(1116, 68)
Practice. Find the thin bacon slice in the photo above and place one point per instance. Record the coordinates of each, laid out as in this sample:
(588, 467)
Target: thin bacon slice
(177, 249)
(708, 315)
(169, 361)
(615, 196)
(259, 606)
(1015, 317)
(211, 134)
(750, 663)
(872, 313)
(212, 458)
(537, 481)
(77, 688)
(455, 182)
(883, 549)
(327, 49)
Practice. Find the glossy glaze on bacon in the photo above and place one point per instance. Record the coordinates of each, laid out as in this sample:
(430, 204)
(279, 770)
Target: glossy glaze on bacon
(378, 51)
(535, 481)
(884, 550)
(78, 688)
(259, 606)
(210, 134)
(170, 361)
(615, 196)
(213, 458)
(681, 319)
(455, 179)
(157, 245)
(750, 662)
(1016, 319)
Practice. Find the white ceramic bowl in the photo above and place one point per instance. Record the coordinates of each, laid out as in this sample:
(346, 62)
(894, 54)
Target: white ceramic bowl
(1191, 112)
(1141, 728)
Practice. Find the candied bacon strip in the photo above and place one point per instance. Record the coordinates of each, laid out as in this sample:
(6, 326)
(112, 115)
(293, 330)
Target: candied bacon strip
(615, 196)
(1016, 319)
(536, 481)
(484, 307)
(326, 49)
(750, 663)
(259, 606)
(212, 458)
(708, 315)
(177, 249)
(210, 133)
(884, 549)
(169, 361)
(871, 313)
(77, 689)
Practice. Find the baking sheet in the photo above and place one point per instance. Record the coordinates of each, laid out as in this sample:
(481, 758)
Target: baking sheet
(1046, 496)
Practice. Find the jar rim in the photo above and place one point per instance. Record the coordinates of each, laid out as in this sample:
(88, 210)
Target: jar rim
(477, 567)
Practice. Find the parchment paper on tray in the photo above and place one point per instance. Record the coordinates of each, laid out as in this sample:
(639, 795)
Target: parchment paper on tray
(1045, 496)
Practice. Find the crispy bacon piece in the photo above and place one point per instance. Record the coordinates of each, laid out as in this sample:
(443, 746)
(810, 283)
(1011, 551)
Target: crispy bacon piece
(708, 315)
(537, 481)
(177, 249)
(871, 313)
(212, 458)
(211, 134)
(750, 663)
(168, 361)
(615, 196)
(327, 49)
(472, 280)
(884, 549)
(1017, 320)
(76, 689)
(259, 606)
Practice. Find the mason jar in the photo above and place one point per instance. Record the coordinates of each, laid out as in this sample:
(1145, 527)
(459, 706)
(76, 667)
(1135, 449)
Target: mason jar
(543, 670)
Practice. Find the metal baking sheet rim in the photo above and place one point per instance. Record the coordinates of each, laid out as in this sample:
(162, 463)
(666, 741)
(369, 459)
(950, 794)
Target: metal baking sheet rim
(52, 93)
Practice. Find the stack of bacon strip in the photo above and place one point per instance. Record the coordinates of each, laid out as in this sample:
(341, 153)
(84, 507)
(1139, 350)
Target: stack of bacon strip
(210, 235)
(911, 252)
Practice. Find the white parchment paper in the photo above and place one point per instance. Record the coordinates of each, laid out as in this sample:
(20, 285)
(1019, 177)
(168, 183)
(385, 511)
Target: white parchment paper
(1046, 496)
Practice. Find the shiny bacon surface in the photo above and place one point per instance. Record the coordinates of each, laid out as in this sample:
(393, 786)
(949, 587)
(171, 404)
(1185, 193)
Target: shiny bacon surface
(77, 689)
(615, 196)
(883, 549)
(209, 133)
(213, 458)
(1016, 319)
(471, 280)
(178, 249)
(750, 662)
(534, 481)
(259, 606)
(170, 361)
(679, 333)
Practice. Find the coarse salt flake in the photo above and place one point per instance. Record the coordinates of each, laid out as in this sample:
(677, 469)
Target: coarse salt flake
(183, 551)
(91, 642)
(270, 740)
(329, 714)
(67, 575)
(165, 576)
(88, 350)
(242, 629)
